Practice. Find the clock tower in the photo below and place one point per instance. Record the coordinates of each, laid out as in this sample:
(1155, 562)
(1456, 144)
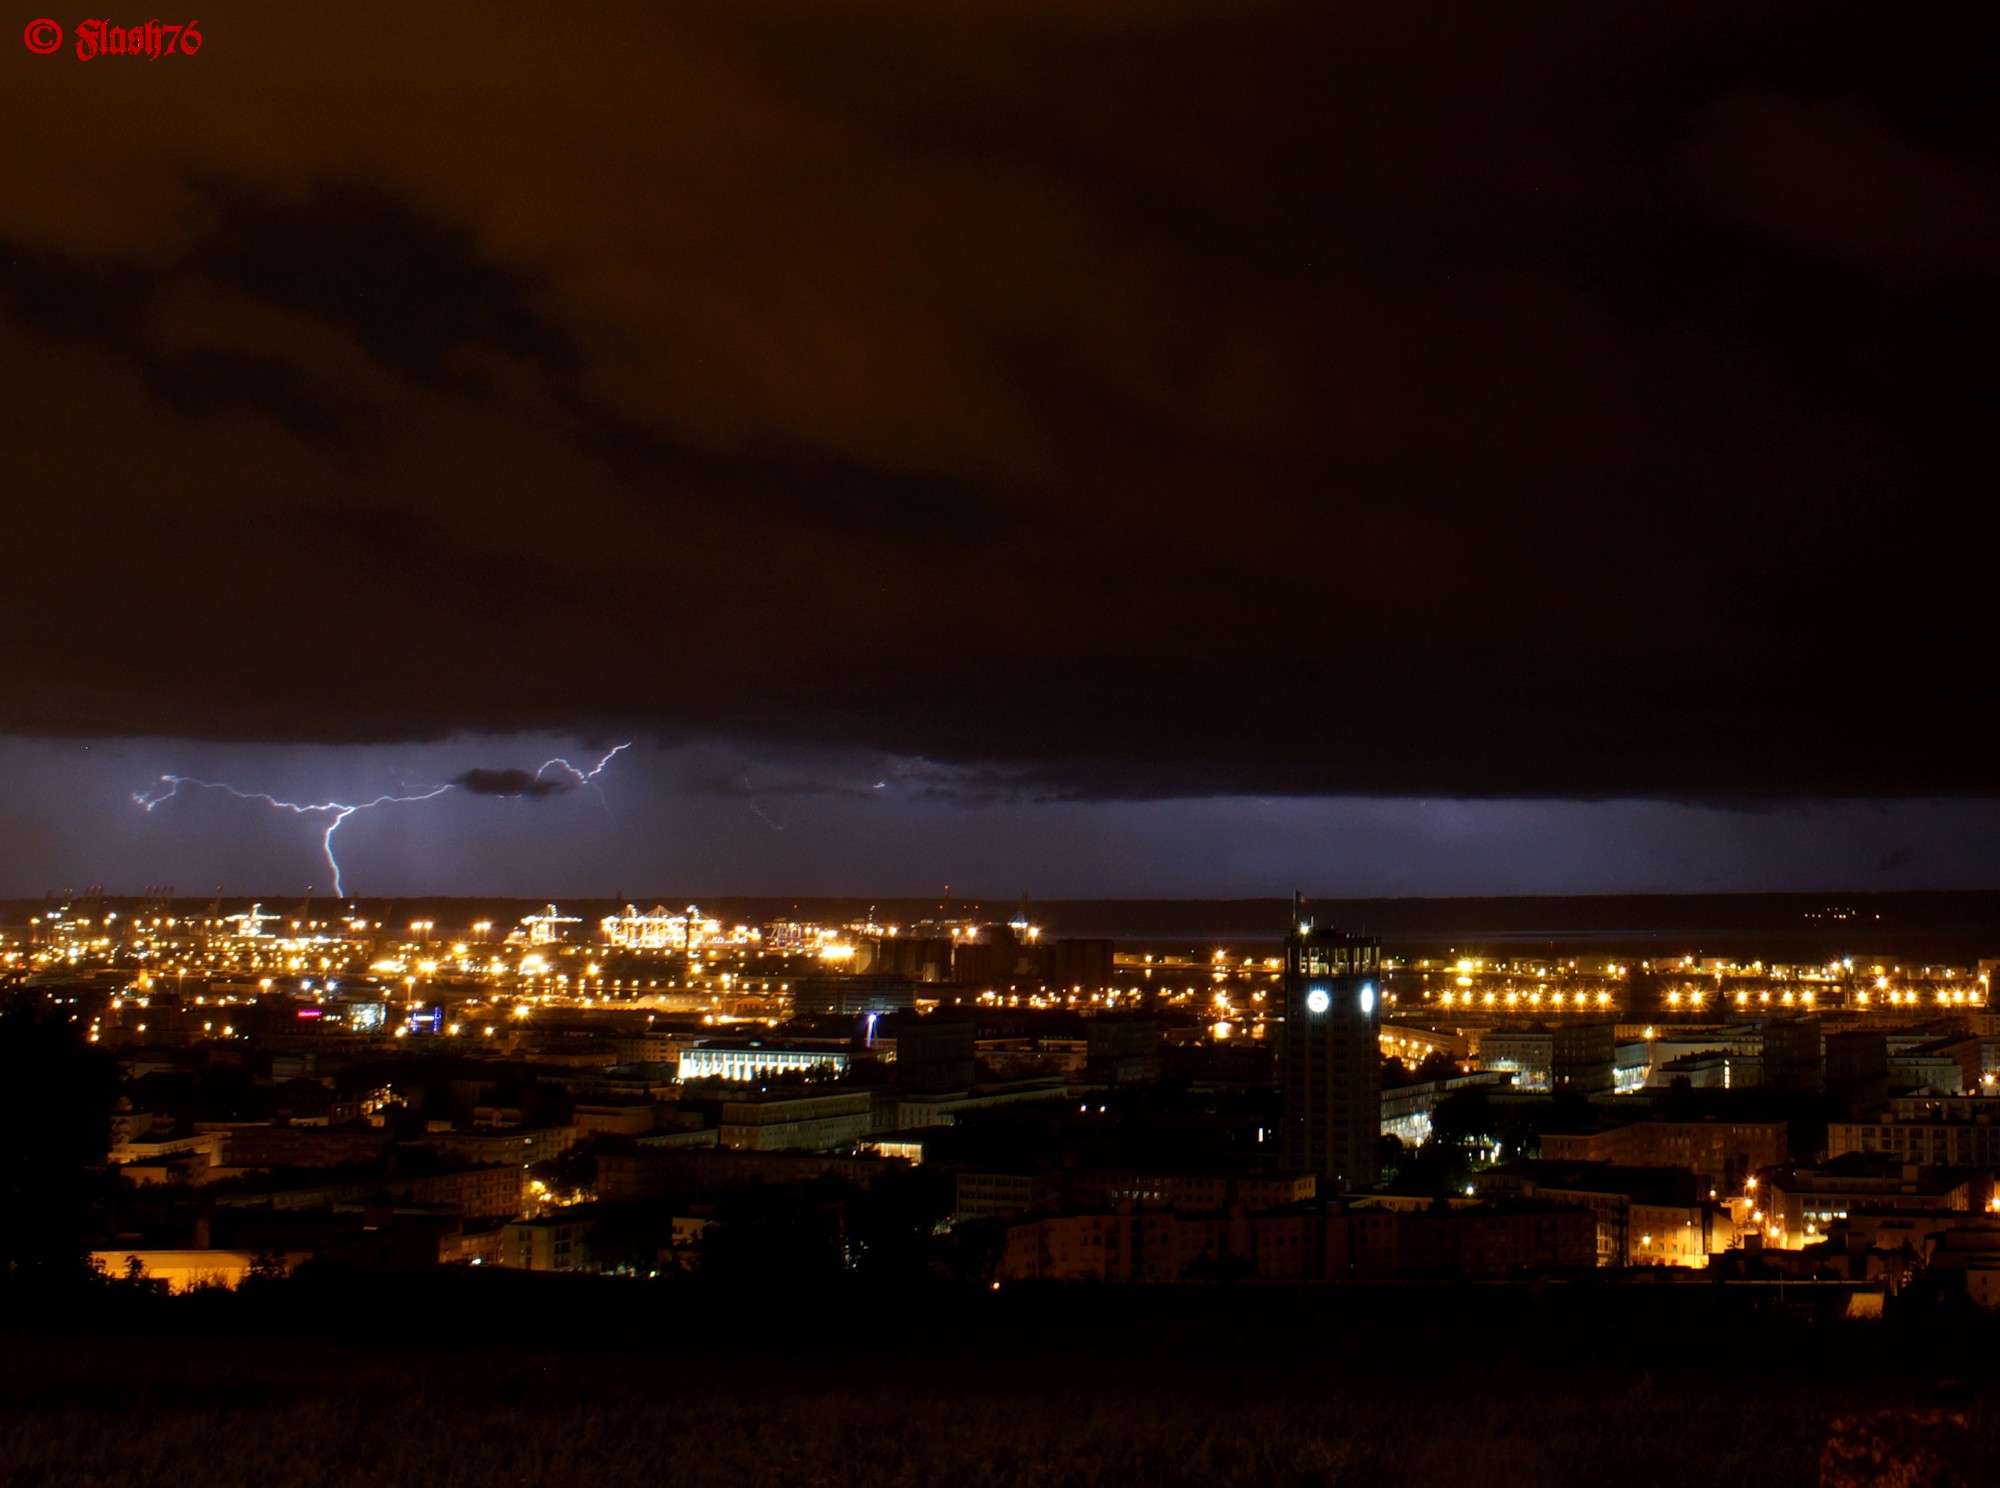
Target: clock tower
(1330, 1061)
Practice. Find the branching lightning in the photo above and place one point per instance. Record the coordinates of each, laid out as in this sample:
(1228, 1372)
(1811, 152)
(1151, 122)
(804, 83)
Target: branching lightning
(584, 777)
(337, 812)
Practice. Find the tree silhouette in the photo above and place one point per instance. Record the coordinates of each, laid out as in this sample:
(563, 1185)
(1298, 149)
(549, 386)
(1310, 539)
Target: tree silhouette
(55, 1098)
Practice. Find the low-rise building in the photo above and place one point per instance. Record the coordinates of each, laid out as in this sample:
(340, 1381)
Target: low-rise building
(759, 1061)
(152, 1147)
(185, 1270)
(522, 1144)
(917, 1110)
(1407, 1109)
(619, 1119)
(935, 1054)
(815, 1122)
(552, 1242)
(852, 995)
(1495, 1239)
(1713, 1069)
(492, 1191)
(266, 1145)
(1318, 1242)
(1935, 1066)
(1797, 1206)
(1185, 1193)
(1645, 1216)
(987, 1195)
(1528, 1054)
(1004, 1195)
(1720, 1153)
(497, 1191)
(1935, 1140)
(656, 1172)
(646, 1046)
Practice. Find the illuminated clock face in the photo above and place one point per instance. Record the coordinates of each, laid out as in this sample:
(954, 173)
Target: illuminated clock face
(1317, 1001)
(1367, 998)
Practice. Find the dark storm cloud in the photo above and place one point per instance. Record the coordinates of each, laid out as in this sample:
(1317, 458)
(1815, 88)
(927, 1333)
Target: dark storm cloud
(1154, 399)
(415, 290)
(73, 299)
(524, 784)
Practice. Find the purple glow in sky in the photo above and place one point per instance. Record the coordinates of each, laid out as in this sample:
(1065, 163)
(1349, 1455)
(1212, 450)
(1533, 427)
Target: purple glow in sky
(713, 817)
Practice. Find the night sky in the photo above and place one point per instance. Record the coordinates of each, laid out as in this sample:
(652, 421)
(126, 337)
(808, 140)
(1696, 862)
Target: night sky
(1073, 448)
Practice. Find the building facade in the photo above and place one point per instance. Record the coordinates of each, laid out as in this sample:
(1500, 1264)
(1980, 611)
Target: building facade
(1935, 1141)
(812, 1122)
(759, 1062)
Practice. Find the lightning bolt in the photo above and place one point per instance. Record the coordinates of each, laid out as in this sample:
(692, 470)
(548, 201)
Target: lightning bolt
(337, 812)
(584, 777)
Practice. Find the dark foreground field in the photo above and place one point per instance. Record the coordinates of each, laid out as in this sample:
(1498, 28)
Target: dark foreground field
(597, 1383)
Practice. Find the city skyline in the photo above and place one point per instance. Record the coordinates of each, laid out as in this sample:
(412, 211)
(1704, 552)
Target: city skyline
(1152, 743)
